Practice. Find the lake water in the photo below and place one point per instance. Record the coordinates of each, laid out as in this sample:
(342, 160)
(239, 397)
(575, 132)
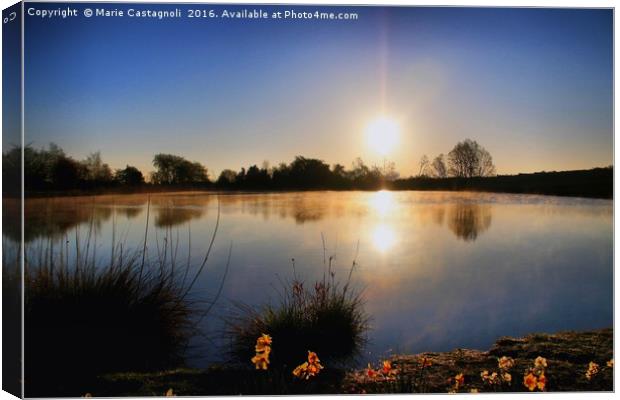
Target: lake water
(439, 270)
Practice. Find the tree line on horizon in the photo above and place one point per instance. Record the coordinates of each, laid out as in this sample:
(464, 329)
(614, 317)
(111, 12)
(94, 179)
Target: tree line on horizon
(51, 169)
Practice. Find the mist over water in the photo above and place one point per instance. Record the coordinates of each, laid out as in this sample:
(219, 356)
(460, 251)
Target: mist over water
(439, 270)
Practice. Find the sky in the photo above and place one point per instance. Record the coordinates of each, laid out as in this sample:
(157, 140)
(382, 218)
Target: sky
(533, 86)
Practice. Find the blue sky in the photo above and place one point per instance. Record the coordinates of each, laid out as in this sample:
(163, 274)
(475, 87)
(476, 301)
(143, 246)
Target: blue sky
(534, 86)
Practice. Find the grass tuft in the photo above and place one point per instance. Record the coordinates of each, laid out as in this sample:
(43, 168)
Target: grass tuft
(84, 317)
(327, 318)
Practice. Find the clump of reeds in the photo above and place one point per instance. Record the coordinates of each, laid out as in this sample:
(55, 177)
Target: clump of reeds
(327, 318)
(84, 317)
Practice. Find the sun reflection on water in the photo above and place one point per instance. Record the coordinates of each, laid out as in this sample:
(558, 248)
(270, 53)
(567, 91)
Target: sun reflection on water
(383, 202)
(383, 237)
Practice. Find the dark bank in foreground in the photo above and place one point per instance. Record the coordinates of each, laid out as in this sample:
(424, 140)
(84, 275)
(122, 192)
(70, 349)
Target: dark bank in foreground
(568, 361)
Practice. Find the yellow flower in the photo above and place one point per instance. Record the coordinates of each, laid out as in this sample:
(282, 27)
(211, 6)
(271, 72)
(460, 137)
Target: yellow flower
(300, 370)
(592, 370)
(505, 363)
(507, 377)
(314, 364)
(313, 369)
(263, 343)
(370, 372)
(610, 363)
(542, 382)
(474, 390)
(490, 379)
(263, 349)
(540, 362)
(309, 368)
(530, 381)
(459, 380)
(169, 393)
(387, 367)
(313, 358)
(261, 360)
(265, 339)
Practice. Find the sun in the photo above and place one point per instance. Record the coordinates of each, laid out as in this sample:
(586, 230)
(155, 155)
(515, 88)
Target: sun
(382, 135)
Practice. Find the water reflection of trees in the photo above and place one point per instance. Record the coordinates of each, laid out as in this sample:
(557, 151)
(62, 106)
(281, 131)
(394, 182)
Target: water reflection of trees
(53, 218)
(302, 207)
(170, 215)
(468, 220)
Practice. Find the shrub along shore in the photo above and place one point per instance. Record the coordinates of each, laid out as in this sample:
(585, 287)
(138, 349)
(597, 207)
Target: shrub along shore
(51, 172)
(568, 361)
(593, 183)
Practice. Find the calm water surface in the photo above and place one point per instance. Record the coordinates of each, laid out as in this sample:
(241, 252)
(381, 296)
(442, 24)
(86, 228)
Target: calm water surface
(439, 270)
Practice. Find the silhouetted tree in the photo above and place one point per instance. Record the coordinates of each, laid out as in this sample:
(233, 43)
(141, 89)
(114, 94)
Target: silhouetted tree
(468, 159)
(96, 170)
(257, 177)
(12, 171)
(227, 178)
(174, 170)
(44, 169)
(309, 173)
(439, 169)
(65, 173)
(390, 173)
(129, 176)
(95, 173)
(281, 176)
(364, 177)
(339, 176)
(424, 166)
(485, 163)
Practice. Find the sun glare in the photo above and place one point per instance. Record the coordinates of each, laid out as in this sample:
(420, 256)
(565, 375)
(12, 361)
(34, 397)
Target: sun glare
(382, 135)
(383, 238)
(383, 202)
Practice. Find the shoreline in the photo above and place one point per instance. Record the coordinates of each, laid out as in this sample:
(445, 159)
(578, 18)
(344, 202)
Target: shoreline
(172, 191)
(594, 183)
(567, 355)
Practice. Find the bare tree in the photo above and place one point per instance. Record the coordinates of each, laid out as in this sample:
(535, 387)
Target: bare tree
(468, 159)
(424, 166)
(439, 167)
(485, 163)
(96, 169)
(390, 173)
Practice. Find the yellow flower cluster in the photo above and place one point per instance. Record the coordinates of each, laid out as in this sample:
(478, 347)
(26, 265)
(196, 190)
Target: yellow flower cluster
(592, 370)
(505, 363)
(309, 368)
(535, 378)
(493, 378)
(386, 372)
(459, 380)
(490, 378)
(263, 349)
